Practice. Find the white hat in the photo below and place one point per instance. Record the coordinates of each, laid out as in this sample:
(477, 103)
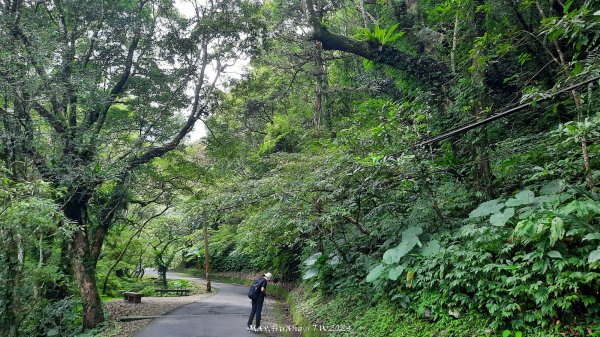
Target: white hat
(268, 276)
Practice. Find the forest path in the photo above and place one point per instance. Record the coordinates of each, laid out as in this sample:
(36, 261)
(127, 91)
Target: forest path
(224, 314)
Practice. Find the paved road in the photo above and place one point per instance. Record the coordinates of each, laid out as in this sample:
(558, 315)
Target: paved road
(222, 315)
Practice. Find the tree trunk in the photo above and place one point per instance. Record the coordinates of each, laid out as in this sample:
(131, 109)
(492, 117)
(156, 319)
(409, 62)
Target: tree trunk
(83, 262)
(84, 267)
(483, 171)
(140, 266)
(584, 148)
(320, 108)
(454, 44)
(363, 12)
(586, 164)
(162, 268)
(206, 258)
(162, 271)
(9, 265)
(436, 207)
(485, 177)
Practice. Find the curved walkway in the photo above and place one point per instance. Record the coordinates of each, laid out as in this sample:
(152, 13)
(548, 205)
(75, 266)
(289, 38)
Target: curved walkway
(222, 315)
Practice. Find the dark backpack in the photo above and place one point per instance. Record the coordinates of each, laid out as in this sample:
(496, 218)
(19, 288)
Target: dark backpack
(254, 289)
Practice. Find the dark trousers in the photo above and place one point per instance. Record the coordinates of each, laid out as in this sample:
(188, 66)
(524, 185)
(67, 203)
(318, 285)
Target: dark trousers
(257, 305)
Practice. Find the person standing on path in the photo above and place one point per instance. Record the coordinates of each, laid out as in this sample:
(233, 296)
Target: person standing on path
(257, 303)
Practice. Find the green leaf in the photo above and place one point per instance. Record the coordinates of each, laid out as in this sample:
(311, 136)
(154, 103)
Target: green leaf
(375, 273)
(564, 196)
(525, 212)
(577, 69)
(431, 248)
(594, 256)
(570, 207)
(407, 245)
(591, 236)
(518, 334)
(335, 260)
(412, 231)
(500, 219)
(525, 197)
(554, 254)
(310, 273)
(505, 333)
(557, 230)
(487, 208)
(567, 6)
(391, 256)
(312, 259)
(593, 207)
(409, 241)
(394, 273)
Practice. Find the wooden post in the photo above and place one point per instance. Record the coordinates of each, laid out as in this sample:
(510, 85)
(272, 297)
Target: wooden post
(206, 258)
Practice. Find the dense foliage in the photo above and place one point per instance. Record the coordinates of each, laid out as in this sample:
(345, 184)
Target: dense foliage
(316, 165)
(326, 180)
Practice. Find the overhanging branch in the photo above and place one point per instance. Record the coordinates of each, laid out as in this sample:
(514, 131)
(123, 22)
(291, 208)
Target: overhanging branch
(424, 68)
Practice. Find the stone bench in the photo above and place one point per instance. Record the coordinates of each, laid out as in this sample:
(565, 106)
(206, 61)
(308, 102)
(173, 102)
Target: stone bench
(132, 297)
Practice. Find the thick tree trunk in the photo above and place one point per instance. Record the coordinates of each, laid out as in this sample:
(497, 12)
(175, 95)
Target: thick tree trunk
(436, 207)
(12, 309)
(84, 268)
(61, 290)
(586, 164)
(83, 262)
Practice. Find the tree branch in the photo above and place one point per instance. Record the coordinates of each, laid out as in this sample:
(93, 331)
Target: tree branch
(358, 224)
(194, 115)
(56, 124)
(144, 203)
(423, 68)
(99, 117)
